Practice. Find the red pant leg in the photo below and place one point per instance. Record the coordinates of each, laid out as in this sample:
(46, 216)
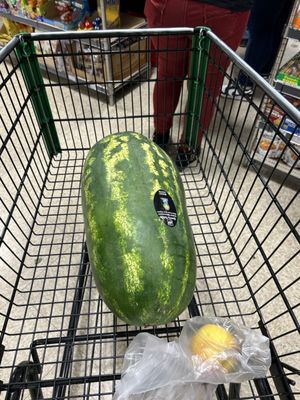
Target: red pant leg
(172, 61)
(230, 28)
(172, 70)
(173, 67)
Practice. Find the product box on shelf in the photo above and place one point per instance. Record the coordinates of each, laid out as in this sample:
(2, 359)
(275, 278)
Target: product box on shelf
(26, 8)
(269, 142)
(11, 28)
(33, 8)
(277, 116)
(4, 7)
(48, 53)
(289, 73)
(291, 158)
(13, 6)
(88, 64)
(112, 11)
(126, 58)
(65, 14)
(296, 19)
(270, 145)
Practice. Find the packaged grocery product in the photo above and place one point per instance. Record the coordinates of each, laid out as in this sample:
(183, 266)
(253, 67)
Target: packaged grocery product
(296, 19)
(52, 57)
(14, 6)
(289, 73)
(281, 121)
(4, 7)
(112, 11)
(270, 145)
(65, 14)
(10, 28)
(290, 157)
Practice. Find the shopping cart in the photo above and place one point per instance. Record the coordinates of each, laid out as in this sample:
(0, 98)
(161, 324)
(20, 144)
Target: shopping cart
(62, 92)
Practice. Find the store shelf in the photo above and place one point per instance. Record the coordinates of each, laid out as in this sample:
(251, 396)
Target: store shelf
(127, 21)
(282, 169)
(293, 33)
(97, 86)
(287, 89)
(262, 128)
(279, 169)
(30, 22)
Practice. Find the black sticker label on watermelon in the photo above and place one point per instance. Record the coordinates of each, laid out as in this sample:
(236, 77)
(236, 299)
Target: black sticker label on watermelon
(165, 208)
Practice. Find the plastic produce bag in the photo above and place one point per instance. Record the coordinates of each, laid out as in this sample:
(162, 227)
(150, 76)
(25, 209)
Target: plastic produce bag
(209, 351)
(240, 353)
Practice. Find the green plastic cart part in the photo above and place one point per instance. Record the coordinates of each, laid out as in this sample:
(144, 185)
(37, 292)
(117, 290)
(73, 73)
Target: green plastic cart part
(31, 71)
(197, 76)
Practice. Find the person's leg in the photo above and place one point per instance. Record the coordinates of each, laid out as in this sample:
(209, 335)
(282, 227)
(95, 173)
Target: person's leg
(265, 26)
(171, 66)
(260, 38)
(230, 27)
(172, 69)
(283, 9)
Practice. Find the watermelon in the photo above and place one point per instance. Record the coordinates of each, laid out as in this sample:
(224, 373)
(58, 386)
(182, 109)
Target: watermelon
(138, 235)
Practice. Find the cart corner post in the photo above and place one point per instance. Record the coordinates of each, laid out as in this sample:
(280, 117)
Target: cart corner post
(33, 78)
(197, 75)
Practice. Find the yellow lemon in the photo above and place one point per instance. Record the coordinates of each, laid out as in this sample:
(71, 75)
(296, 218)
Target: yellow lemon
(211, 340)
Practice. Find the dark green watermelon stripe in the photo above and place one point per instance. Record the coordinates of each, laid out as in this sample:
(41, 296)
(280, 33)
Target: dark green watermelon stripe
(94, 229)
(90, 202)
(172, 179)
(167, 261)
(188, 261)
(163, 288)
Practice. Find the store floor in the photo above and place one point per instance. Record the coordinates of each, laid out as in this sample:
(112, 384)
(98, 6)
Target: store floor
(246, 249)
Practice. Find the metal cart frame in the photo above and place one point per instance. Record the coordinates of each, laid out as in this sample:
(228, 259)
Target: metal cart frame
(57, 337)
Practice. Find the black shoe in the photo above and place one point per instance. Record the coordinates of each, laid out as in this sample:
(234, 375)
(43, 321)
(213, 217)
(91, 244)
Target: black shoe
(161, 139)
(236, 92)
(185, 156)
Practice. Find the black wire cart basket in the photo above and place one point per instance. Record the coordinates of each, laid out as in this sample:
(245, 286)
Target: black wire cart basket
(62, 92)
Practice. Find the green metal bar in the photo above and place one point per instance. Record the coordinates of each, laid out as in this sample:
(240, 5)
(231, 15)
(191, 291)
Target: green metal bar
(197, 76)
(31, 71)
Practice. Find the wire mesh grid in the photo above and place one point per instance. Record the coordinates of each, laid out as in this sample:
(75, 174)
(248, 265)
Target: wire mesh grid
(58, 339)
